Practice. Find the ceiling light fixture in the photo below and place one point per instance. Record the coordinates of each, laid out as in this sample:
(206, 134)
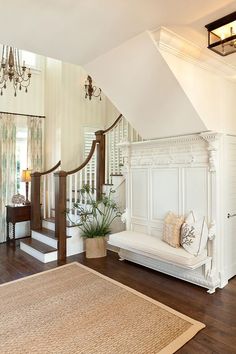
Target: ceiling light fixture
(11, 70)
(90, 90)
(222, 35)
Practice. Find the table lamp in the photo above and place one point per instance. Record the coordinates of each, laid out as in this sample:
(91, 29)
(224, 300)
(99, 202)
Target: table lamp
(25, 177)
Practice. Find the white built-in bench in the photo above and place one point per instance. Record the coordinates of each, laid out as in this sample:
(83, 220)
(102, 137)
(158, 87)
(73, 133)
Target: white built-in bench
(156, 254)
(154, 247)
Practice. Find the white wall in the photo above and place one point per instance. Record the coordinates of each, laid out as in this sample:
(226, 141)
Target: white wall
(212, 95)
(53, 115)
(139, 82)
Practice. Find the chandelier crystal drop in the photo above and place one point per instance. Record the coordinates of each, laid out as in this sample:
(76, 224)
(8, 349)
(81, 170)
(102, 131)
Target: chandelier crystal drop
(11, 71)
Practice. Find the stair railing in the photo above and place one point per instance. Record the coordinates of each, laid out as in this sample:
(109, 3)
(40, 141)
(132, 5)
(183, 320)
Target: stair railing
(119, 131)
(67, 186)
(42, 191)
(103, 161)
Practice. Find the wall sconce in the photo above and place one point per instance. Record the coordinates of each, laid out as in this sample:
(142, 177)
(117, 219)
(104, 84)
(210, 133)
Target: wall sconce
(91, 90)
(26, 177)
(222, 35)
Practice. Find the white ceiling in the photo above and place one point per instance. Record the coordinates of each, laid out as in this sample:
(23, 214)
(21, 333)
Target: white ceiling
(78, 31)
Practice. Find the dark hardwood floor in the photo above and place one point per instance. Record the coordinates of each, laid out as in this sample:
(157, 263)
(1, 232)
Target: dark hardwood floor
(217, 311)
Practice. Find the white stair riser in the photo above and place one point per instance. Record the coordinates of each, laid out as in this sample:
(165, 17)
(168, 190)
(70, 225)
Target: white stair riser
(43, 257)
(70, 231)
(44, 239)
(48, 225)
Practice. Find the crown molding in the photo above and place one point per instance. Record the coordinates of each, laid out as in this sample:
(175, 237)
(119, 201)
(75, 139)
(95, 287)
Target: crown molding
(170, 42)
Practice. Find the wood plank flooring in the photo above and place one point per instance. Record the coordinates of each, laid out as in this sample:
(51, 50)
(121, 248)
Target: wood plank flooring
(217, 311)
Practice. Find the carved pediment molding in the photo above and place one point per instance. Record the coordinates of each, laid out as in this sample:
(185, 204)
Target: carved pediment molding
(185, 150)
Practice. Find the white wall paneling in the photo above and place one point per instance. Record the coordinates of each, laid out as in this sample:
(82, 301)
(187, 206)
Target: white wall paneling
(196, 190)
(229, 184)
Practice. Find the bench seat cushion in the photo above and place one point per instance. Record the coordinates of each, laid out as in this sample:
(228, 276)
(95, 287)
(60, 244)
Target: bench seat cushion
(154, 247)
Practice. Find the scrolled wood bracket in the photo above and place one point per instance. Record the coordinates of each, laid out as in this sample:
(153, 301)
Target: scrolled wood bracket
(212, 140)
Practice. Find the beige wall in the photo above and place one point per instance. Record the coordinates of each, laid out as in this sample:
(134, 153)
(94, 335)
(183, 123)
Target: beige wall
(57, 90)
(68, 113)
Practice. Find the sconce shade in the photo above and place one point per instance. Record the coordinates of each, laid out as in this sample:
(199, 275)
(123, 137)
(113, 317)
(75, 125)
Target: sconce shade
(222, 35)
(25, 175)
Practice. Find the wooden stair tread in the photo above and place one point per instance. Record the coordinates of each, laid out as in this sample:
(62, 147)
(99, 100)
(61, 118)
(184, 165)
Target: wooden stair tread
(52, 220)
(39, 246)
(48, 233)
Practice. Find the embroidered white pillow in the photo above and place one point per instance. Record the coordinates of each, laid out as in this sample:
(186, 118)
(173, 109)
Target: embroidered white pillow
(194, 235)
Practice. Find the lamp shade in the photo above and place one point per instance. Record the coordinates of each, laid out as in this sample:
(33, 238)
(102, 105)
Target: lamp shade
(25, 175)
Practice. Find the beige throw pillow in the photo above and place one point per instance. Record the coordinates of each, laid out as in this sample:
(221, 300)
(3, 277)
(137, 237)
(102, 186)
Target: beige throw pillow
(171, 229)
(194, 235)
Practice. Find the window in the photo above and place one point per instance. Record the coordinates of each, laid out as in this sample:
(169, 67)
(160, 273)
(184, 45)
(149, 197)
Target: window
(89, 136)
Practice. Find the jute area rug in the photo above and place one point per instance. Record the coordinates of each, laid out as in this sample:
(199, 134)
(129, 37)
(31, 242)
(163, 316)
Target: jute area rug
(73, 309)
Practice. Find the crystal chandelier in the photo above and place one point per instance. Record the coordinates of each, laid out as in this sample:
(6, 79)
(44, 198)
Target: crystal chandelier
(12, 71)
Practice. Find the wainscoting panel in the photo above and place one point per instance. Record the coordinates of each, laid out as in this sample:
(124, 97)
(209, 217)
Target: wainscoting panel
(164, 192)
(139, 194)
(196, 191)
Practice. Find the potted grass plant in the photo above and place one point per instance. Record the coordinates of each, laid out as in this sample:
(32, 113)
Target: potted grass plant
(94, 218)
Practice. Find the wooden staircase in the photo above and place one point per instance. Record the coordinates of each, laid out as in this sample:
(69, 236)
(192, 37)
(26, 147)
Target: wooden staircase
(43, 243)
(52, 236)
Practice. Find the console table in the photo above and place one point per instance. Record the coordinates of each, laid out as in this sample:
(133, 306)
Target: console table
(16, 214)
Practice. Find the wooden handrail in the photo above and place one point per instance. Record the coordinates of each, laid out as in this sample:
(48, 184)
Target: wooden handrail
(51, 169)
(90, 155)
(113, 125)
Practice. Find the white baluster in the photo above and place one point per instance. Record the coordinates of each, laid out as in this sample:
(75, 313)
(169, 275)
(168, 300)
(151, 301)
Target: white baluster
(131, 133)
(95, 168)
(44, 196)
(70, 192)
(118, 150)
(85, 182)
(52, 194)
(110, 158)
(80, 183)
(90, 173)
(122, 128)
(106, 158)
(48, 195)
(75, 186)
(114, 151)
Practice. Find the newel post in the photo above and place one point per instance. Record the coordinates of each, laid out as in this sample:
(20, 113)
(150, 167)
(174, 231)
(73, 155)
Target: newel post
(100, 138)
(36, 222)
(60, 213)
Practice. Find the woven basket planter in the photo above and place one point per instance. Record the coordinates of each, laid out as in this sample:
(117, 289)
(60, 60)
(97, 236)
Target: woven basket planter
(96, 247)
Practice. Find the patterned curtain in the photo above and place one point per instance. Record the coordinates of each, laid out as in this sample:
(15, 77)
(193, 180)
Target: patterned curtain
(7, 167)
(34, 144)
